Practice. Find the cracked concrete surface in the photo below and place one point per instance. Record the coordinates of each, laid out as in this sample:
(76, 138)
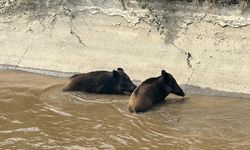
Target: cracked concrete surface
(27, 49)
(207, 51)
(21, 57)
(77, 36)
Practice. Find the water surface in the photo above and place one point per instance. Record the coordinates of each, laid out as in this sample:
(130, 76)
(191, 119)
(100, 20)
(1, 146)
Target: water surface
(36, 114)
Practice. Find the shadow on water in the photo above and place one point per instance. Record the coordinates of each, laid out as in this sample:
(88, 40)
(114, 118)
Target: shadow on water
(36, 114)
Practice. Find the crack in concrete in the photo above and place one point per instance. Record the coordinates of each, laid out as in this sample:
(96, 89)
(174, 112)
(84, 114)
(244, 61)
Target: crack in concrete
(54, 19)
(29, 30)
(76, 35)
(181, 50)
(189, 56)
(190, 76)
(71, 17)
(27, 49)
(22, 57)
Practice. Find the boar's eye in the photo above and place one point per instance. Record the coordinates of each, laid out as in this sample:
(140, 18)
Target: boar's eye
(126, 78)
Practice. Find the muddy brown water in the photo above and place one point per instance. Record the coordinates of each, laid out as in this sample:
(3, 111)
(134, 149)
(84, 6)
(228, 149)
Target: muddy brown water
(36, 114)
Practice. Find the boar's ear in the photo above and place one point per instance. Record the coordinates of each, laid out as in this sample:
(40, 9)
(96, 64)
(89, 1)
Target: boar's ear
(120, 69)
(164, 73)
(116, 75)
